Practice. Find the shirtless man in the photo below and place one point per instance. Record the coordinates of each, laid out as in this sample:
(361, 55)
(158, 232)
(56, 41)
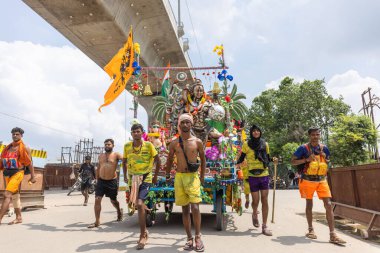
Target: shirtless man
(106, 178)
(187, 184)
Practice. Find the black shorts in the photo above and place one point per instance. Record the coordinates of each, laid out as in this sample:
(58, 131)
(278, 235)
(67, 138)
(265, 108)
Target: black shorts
(144, 190)
(107, 187)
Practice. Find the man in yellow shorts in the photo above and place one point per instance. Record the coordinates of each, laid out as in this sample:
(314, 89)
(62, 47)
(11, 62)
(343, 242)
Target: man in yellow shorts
(15, 158)
(313, 158)
(187, 184)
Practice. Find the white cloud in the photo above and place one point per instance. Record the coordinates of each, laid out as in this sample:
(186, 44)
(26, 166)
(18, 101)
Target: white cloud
(351, 85)
(262, 39)
(60, 88)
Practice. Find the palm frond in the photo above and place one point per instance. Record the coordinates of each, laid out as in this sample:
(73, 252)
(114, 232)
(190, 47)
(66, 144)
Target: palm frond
(234, 90)
(238, 96)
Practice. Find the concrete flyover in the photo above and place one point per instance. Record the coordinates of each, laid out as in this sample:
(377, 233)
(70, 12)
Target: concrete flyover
(100, 27)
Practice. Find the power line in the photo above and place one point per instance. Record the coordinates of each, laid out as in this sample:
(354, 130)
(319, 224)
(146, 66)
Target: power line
(195, 36)
(41, 125)
(196, 41)
(54, 129)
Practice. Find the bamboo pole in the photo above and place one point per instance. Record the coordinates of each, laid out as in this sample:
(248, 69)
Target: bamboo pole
(274, 189)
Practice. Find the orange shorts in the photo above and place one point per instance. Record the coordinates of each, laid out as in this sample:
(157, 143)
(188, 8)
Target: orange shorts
(13, 182)
(307, 189)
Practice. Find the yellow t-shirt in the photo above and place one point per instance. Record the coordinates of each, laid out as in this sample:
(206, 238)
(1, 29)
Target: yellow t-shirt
(140, 161)
(252, 162)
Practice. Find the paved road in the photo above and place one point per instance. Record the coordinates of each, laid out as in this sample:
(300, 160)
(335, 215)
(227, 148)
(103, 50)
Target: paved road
(61, 227)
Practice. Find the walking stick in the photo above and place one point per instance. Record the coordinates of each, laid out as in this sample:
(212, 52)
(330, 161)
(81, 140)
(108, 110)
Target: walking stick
(274, 187)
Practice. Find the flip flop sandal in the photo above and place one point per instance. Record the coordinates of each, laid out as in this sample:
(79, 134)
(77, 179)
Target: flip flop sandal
(199, 247)
(255, 220)
(266, 231)
(15, 222)
(189, 245)
(311, 234)
(336, 240)
(141, 245)
(93, 225)
(120, 216)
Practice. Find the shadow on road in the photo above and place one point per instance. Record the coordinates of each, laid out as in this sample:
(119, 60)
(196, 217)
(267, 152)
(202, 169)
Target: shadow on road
(130, 224)
(293, 240)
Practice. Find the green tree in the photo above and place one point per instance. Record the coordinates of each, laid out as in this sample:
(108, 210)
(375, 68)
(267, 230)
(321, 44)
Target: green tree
(349, 140)
(286, 113)
(287, 151)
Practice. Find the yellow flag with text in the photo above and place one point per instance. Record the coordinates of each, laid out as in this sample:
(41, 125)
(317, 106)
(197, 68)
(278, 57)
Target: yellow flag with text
(120, 69)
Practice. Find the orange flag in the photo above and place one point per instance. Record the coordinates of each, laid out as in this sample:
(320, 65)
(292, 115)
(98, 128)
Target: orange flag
(125, 56)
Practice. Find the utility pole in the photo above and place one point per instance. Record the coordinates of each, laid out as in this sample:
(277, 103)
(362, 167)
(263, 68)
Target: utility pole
(368, 111)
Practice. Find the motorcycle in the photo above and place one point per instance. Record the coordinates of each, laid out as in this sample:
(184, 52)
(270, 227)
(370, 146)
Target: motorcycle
(76, 186)
(280, 183)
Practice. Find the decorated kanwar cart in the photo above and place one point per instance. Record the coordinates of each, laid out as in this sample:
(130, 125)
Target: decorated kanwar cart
(218, 116)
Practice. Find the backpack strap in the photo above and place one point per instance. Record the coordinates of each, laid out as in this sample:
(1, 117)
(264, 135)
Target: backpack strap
(308, 148)
(180, 141)
(305, 165)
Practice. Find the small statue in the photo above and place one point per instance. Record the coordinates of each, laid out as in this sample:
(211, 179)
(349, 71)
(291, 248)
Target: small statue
(156, 137)
(198, 105)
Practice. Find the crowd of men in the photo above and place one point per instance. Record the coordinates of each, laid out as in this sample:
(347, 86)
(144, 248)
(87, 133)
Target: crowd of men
(140, 160)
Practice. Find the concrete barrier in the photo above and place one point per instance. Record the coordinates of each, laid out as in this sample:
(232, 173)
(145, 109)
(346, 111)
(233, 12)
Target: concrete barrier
(32, 196)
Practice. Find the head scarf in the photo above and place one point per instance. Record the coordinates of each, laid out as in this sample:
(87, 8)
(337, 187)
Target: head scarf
(259, 146)
(186, 116)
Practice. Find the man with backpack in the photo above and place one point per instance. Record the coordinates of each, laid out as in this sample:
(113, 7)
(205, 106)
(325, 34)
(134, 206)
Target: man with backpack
(312, 160)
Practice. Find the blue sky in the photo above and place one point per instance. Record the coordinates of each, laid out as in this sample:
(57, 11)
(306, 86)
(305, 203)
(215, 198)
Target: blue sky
(46, 80)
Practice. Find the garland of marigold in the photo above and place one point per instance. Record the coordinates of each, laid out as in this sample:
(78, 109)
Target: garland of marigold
(196, 108)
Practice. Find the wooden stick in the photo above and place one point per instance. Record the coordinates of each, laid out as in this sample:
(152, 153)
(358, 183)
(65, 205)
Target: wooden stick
(274, 190)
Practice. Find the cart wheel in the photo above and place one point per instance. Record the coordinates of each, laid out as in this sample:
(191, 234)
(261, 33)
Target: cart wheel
(150, 219)
(363, 233)
(221, 219)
